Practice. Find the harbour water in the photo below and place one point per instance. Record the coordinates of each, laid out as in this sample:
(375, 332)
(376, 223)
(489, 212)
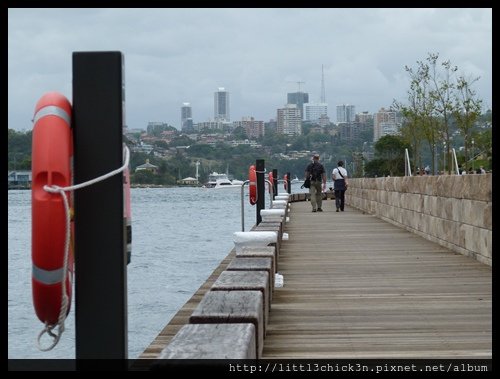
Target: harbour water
(179, 236)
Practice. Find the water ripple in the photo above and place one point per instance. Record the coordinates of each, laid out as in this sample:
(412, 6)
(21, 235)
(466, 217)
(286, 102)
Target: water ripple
(180, 235)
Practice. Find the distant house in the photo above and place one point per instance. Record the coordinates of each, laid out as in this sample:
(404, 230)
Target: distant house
(188, 181)
(148, 167)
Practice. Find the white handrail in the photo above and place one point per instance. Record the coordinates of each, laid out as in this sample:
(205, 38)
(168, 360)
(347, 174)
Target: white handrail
(243, 205)
(407, 163)
(455, 160)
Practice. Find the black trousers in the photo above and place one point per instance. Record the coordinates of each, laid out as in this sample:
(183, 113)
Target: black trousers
(339, 199)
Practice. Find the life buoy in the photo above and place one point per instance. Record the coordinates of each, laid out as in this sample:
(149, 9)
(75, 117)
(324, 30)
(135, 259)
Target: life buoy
(285, 183)
(127, 216)
(52, 154)
(252, 178)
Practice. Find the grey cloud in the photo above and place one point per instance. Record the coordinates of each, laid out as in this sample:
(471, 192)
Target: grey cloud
(178, 55)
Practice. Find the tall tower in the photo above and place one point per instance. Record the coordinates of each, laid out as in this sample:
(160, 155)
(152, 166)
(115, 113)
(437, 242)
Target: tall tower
(186, 116)
(221, 105)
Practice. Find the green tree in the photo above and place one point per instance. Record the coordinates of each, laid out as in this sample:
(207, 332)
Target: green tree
(239, 133)
(366, 135)
(277, 141)
(181, 141)
(391, 149)
(161, 143)
(136, 159)
(19, 149)
(419, 115)
(300, 143)
(318, 137)
(483, 144)
(201, 150)
(375, 168)
(466, 111)
(442, 94)
(306, 128)
(143, 177)
(223, 151)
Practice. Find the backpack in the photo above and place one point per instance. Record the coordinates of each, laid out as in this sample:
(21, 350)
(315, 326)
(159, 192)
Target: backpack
(316, 171)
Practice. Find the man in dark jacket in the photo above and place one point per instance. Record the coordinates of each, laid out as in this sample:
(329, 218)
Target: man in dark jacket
(316, 172)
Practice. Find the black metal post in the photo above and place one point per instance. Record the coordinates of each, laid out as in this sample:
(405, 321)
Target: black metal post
(261, 193)
(288, 183)
(275, 182)
(100, 237)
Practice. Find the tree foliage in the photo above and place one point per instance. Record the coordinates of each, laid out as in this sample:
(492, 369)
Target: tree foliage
(389, 154)
(438, 103)
(466, 111)
(19, 150)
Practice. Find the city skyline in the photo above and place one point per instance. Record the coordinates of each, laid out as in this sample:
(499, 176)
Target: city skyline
(174, 56)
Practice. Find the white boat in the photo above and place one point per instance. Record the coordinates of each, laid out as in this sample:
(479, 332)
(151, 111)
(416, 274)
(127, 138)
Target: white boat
(295, 180)
(225, 183)
(219, 180)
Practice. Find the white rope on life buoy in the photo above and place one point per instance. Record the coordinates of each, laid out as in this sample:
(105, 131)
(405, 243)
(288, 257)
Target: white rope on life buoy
(64, 303)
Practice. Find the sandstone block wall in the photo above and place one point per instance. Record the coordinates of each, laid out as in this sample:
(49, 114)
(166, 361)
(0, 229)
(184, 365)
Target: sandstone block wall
(452, 210)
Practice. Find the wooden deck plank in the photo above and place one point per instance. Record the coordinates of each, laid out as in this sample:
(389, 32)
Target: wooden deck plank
(358, 287)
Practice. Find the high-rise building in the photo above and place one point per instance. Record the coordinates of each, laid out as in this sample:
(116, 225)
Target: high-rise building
(186, 114)
(289, 120)
(346, 113)
(384, 122)
(364, 117)
(299, 99)
(221, 105)
(253, 128)
(314, 111)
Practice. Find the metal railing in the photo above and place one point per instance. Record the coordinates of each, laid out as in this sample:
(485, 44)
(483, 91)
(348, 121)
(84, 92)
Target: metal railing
(457, 171)
(271, 188)
(407, 163)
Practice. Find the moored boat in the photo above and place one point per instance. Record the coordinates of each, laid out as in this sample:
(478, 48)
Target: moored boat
(219, 180)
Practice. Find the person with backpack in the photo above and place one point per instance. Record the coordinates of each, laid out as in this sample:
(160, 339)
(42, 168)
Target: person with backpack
(339, 176)
(316, 172)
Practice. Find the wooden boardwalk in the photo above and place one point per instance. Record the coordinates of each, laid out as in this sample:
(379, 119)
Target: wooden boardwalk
(358, 287)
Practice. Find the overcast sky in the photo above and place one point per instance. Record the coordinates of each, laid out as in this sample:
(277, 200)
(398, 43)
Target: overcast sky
(258, 55)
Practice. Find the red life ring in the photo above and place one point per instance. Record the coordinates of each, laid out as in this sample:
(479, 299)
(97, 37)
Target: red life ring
(252, 177)
(285, 183)
(52, 154)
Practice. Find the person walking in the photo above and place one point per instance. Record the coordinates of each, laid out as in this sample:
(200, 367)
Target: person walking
(316, 172)
(339, 176)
